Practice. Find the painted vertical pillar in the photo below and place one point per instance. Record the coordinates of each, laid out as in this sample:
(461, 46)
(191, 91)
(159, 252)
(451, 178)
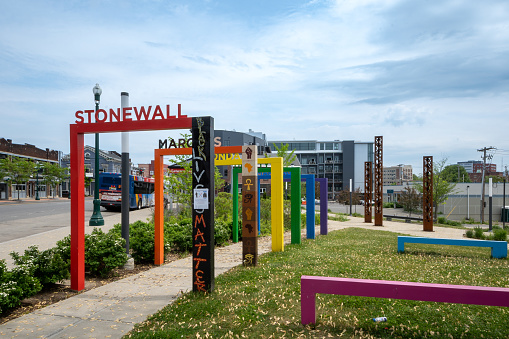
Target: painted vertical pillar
(427, 194)
(124, 103)
(202, 170)
(259, 209)
(235, 200)
(77, 164)
(249, 205)
(378, 181)
(295, 204)
(276, 210)
(158, 210)
(324, 205)
(310, 206)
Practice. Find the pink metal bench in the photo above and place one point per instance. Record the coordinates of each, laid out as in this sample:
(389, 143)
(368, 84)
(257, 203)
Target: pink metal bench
(457, 294)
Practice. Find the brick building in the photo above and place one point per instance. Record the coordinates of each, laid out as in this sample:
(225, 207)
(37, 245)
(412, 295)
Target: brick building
(27, 151)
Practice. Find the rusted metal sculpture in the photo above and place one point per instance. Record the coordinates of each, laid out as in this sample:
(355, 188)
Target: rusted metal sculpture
(427, 194)
(379, 180)
(368, 188)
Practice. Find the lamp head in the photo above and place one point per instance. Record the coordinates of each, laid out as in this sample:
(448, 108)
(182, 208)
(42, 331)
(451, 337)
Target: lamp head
(97, 93)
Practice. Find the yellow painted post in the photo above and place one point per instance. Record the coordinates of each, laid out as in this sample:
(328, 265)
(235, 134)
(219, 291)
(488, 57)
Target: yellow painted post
(278, 243)
(276, 207)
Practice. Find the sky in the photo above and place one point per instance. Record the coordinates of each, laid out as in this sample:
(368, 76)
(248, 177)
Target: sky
(431, 77)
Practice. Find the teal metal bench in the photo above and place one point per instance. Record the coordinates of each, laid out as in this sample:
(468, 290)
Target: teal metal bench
(498, 248)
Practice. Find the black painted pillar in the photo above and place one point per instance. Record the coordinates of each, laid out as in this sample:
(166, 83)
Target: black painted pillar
(203, 203)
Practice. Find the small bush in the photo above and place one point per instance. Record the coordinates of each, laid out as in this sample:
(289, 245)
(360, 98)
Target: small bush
(478, 233)
(104, 252)
(444, 221)
(469, 233)
(16, 285)
(48, 266)
(141, 241)
(222, 232)
(499, 235)
(179, 236)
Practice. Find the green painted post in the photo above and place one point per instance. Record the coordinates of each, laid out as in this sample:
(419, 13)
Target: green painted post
(295, 213)
(295, 203)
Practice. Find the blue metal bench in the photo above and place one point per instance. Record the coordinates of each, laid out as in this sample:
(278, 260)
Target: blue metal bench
(498, 248)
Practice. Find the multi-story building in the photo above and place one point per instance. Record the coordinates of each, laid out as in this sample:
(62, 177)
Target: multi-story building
(475, 166)
(109, 161)
(397, 175)
(26, 151)
(338, 161)
(234, 138)
(469, 165)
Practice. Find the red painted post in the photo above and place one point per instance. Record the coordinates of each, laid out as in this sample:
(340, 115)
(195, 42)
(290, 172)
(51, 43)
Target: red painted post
(77, 132)
(77, 147)
(159, 210)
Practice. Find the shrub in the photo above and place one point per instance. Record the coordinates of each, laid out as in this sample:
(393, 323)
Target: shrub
(223, 207)
(478, 233)
(48, 266)
(64, 249)
(16, 285)
(499, 234)
(104, 252)
(179, 236)
(469, 233)
(444, 221)
(222, 232)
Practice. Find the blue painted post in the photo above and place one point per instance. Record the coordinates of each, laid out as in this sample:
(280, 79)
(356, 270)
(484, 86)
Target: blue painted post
(310, 205)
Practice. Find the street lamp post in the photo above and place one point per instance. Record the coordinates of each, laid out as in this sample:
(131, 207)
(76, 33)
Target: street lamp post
(96, 219)
(37, 181)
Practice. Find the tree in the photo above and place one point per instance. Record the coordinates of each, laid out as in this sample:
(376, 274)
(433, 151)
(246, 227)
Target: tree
(179, 185)
(343, 197)
(288, 157)
(7, 171)
(53, 174)
(495, 178)
(17, 170)
(441, 188)
(455, 173)
(410, 199)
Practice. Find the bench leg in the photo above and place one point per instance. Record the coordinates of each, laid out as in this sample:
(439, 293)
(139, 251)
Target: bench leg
(499, 252)
(401, 246)
(307, 303)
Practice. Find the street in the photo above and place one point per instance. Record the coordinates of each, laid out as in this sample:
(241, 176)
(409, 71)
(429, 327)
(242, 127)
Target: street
(29, 217)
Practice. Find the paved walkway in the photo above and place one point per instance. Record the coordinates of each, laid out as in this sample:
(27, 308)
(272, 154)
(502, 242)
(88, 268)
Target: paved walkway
(112, 310)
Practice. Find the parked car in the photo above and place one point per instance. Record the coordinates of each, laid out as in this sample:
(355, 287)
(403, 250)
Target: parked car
(371, 201)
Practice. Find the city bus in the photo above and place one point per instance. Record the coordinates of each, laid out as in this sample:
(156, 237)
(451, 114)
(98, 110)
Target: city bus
(141, 191)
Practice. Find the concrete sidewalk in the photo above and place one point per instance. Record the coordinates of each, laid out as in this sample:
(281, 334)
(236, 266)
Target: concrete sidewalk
(112, 310)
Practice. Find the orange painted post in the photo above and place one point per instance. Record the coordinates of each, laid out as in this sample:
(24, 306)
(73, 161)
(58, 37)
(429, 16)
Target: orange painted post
(159, 192)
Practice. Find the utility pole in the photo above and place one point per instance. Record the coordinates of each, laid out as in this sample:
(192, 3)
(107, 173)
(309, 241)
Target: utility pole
(483, 173)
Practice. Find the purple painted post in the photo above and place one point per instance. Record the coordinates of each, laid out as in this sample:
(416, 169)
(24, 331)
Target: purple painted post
(307, 301)
(324, 205)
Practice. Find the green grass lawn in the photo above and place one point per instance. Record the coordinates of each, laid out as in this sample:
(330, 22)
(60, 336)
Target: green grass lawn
(264, 302)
